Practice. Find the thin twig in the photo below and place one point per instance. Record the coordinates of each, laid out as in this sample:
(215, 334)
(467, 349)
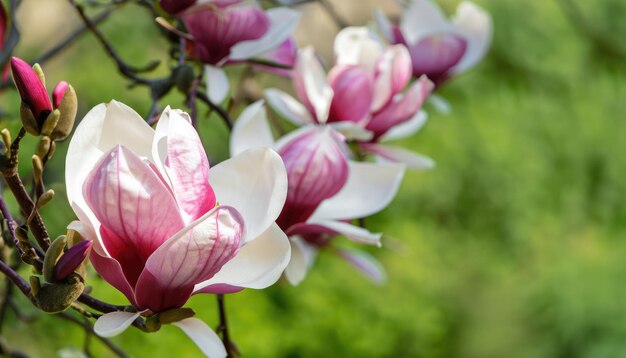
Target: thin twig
(217, 108)
(231, 350)
(89, 330)
(17, 281)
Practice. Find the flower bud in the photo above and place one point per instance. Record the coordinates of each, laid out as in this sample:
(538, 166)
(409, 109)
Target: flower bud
(71, 260)
(65, 101)
(317, 168)
(57, 297)
(36, 104)
(52, 255)
(175, 6)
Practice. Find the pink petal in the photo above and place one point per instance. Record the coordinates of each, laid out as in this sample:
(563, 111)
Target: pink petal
(175, 6)
(317, 168)
(401, 109)
(59, 92)
(435, 55)
(333, 227)
(137, 211)
(178, 147)
(72, 259)
(193, 255)
(216, 30)
(285, 54)
(32, 91)
(353, 88)
(393, 73)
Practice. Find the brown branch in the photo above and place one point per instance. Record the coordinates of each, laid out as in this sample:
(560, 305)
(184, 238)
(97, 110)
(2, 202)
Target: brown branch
(89, 331)
(217, 108)
(17, 281)
(231, 349)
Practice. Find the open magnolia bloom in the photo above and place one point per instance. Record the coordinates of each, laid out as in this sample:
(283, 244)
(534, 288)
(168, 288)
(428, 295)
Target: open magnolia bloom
(326, 190)
(234, 33)
(366, 95)
(162, 228)
(440, 48)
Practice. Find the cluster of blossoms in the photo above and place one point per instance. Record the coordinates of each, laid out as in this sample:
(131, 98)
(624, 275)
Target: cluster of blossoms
(160, 224)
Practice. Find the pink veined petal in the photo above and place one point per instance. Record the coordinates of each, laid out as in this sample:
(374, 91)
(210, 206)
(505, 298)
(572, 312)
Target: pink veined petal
(353, 93)
(258, 264)
(136, 210)
(393, 73)
(400, 109)
(285, 54)
(203, 336)
(317, 168)
(436, 54)
(422, 18)
(476, 25)
(193, 255)
(388, 153)
(216, 31)
(334, 227)
(180, 151)
(406, 128)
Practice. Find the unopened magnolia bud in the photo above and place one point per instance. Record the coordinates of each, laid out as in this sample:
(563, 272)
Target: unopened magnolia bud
(44, 147)
(6, 138)
(45, 198)
(37, 168)
(71, 260)
(57, 297)
(183, 77)
(51, 122)
(175, 6)
(52, 255)
(176, 315)
(65, 100)
(35, 99)
(40, 74)
(153, 323)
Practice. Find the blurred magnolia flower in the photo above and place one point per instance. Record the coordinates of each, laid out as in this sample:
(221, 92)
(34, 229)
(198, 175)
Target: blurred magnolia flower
(440, 48)
(162, 228)
(221, 35)
(326, 189)
(364, 96)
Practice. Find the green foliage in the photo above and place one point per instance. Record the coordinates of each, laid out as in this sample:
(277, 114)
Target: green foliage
(512, 247)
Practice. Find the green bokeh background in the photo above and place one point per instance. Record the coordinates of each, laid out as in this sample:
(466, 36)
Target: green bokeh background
(513, 246)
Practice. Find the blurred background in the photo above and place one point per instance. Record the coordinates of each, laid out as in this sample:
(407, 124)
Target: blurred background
(513, 246)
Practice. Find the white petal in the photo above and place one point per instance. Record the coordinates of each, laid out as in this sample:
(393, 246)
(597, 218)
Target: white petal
(423, 17)
(384, 25)
(355, 46)
(354, 233)
(441, 104)
(476, 25)
(406, 129)
(258, 264)
(288, 107)
(369, 189)
(302, 257)
(283, 22)
(314, 82)
(251, 129)
(203, 336)
(114, 323)
(255, 183)
(217, 83)
(365, 263)
(352, 130)
(412, 160)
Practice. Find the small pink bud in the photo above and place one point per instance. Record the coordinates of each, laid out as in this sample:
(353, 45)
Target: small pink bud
(317, 168)
(59, 92)
(33, 93)
(71, 260)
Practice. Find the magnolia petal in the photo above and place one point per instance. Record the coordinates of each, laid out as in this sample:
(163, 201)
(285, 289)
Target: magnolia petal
(477, 26)
(258, 264)
(288, 107)
(354, 233)
(203, 336)
(255, 183)
(311, 84)
(283, 22)
(384, 25)
(352, 131)
(302, 258)
(193, 255)
(441, 104)
(217, 83)
(104, 127)
(182, 159)
(285, 55)
(251, 129)
(353, 88)
(421, 18)
(365, 263)
(114, 323)
(435, 55)
(369, 189)
(398, 155)
(407, 128)
(393, 73)
(355, 46)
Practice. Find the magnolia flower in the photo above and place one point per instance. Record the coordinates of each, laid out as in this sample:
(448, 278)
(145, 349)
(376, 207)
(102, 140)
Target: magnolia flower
(326, 190)
(440, 48)
(363, 96)
(163, 225)
(231, 34)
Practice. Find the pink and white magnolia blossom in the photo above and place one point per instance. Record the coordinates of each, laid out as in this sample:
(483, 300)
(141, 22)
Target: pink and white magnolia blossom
(233, 33)
(326, 189)
(368, 89)
(440, 48)
(164, 225)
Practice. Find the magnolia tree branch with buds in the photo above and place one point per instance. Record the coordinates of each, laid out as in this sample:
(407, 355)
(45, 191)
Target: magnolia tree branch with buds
(157, 222)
